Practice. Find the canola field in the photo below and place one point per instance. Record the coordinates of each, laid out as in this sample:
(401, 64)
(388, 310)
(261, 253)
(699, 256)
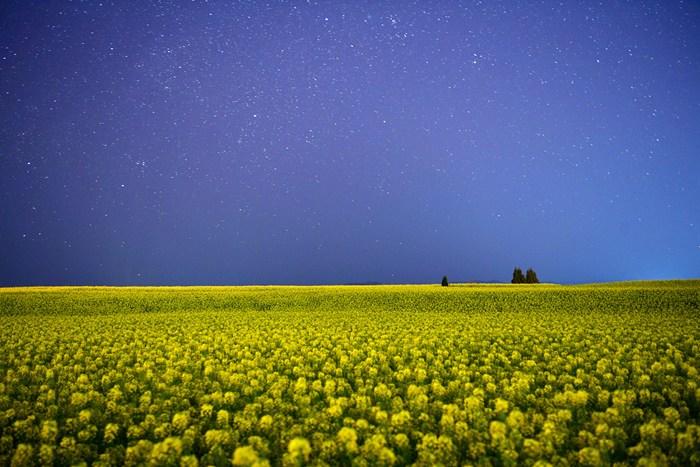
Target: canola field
(351, 375)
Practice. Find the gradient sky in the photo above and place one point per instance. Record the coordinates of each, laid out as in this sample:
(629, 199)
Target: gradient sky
(194, 142)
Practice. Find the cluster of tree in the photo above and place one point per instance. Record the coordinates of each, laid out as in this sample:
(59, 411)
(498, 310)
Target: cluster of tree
(530, 277)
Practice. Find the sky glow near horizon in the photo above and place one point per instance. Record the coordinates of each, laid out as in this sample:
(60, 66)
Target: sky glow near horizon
(348, 141)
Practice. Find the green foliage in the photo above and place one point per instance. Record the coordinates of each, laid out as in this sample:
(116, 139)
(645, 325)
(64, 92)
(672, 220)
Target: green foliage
(388, 375)
(518, 276)
(531, 277)
(444, 281)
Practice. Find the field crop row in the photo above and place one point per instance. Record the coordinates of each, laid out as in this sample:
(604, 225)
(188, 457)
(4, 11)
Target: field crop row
(351, 375)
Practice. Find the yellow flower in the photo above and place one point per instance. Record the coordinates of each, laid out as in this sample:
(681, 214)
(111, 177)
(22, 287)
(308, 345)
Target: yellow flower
(497, 430)
(49, 431)
(111, 433)
(181, 421)
(299, 449)
(84, 416)
(206, 410)
(265, 422)
(515, 419)
(501, 405)
(589, 456)
(247, 456)
(167, 452)
(401, 419)
(532, 448)
(347, 437)
(222, 418)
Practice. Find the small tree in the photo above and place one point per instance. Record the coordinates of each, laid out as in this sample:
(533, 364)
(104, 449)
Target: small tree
(444, 281)
(518, 276)
(531, 277)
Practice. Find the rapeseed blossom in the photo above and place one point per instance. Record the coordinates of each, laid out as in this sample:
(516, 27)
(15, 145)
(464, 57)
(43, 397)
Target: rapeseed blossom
(387, 376)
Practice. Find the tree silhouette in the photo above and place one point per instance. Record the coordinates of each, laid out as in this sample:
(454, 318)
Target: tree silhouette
(518, 276)
(531, 277)
(444, 281)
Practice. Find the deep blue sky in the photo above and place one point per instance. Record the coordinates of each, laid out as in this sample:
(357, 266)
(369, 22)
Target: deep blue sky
(197, 142)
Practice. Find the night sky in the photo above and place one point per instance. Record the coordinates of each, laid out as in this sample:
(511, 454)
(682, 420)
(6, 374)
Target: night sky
(194, 142)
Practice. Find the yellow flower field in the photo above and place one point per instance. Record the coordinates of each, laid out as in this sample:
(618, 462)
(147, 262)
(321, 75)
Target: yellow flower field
(351, 375)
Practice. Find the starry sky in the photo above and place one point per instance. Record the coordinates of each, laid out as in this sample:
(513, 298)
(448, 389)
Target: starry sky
(291, 142)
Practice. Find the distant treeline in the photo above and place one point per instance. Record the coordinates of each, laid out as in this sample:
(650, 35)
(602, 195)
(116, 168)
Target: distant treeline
(530, 277)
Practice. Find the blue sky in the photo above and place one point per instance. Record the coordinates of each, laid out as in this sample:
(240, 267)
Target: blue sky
(335, 142)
